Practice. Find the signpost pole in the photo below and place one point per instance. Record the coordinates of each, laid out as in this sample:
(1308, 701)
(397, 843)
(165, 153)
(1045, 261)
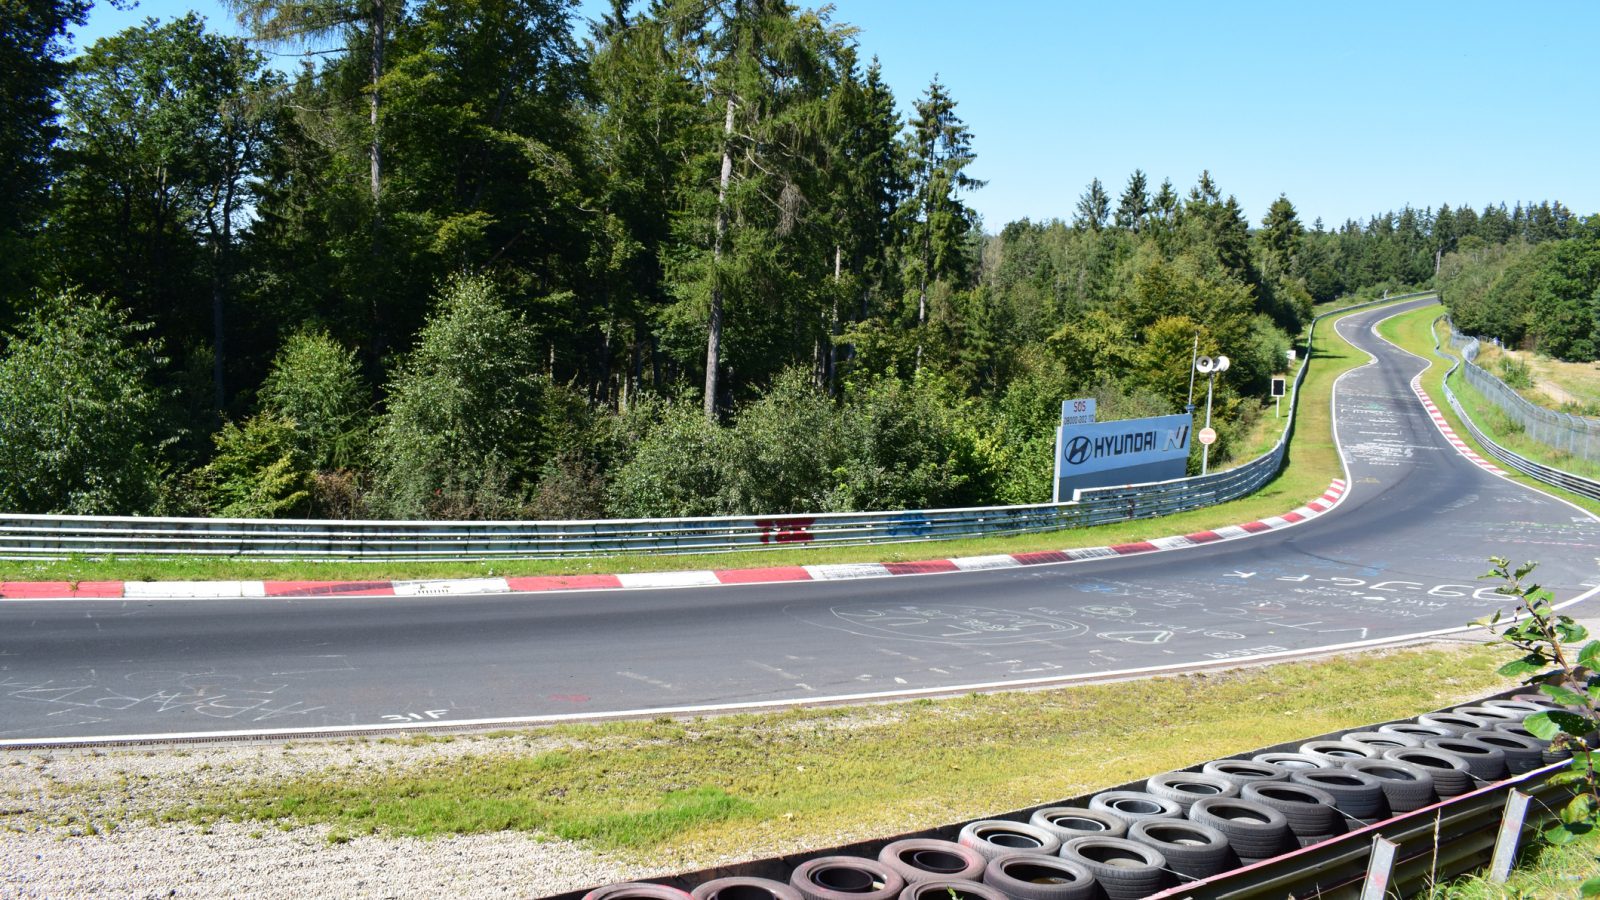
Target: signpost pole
(1205, 449)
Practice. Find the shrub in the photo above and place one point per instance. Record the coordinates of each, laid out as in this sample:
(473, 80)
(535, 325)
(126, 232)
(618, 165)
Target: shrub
(76, 411)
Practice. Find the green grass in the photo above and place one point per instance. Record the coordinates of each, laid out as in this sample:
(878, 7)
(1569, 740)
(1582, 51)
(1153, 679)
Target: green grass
(733, 785)
(1544, 871)
(1312, 463)
(1415, 332)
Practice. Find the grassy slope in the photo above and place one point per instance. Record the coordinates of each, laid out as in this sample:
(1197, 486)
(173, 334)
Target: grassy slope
(756, 784)
(1552, 377)
(1413, 331)
(1312, 463)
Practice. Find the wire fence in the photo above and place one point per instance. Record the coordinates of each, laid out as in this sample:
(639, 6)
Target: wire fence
(55, 536)
(1576, 435)
(1551, 475)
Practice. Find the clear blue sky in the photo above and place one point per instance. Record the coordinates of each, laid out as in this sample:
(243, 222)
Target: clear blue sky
(1349, 108)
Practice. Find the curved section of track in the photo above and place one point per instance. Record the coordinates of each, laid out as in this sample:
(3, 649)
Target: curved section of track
(1397, 558)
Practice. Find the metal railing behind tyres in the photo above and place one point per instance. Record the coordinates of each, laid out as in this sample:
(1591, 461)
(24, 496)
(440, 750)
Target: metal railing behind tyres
(56, 536)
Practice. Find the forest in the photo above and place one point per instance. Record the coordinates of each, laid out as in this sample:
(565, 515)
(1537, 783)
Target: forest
(481, 259)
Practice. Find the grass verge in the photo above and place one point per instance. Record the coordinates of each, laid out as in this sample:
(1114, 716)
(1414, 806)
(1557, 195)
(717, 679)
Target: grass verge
(1414, 332)
(750, 785)
(1543, 871)
(1312, 462)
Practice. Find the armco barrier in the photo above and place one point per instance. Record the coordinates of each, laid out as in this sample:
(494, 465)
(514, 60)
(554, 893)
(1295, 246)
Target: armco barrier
(1468, 347)
(54, 537)
(1575, 435)
(1435, 843)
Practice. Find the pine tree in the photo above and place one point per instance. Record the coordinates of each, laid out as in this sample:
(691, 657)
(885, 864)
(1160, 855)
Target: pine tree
(1094, 208)
(1135, 202)
(939, 149)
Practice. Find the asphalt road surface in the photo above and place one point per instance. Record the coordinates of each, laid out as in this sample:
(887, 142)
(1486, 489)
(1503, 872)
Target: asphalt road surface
(1398, 557)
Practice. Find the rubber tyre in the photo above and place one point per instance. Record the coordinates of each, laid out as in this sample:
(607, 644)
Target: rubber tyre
(924, 859)
(1135, 805)
(1033, 876)
(1193, 849)
(1486, 761)
(1406, 787)
(636, 890)
(1068, 822)
(740, 888)
(1521, 731)
(1523, 754)
(1125, 870)
(846, 878)
(1521, 706)
(1313, 813)
(943, 888)
(1292, 761)
(1003, 837)
(1459, 723)
(1451, 774)
(1338, 752)
(1380, 741)
(1254, 830)
(1188, 788)
(1492, 713)
(1245, 771)
(1416, 730)
(1356, 794)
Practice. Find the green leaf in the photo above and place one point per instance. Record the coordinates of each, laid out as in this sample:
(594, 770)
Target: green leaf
(1590, 888)
(1523, 570)
(1571, 632)
(1559, 835)
(1571, 723)
(1590, 655)
(1563, 695)
(1541, 726)
(1533, 662)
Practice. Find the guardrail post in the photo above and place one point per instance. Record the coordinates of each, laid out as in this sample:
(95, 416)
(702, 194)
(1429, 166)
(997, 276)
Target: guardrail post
(1505, 845)
(1380, 868)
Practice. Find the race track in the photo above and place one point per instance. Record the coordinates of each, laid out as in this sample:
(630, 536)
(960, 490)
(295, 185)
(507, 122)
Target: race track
(1397, 557)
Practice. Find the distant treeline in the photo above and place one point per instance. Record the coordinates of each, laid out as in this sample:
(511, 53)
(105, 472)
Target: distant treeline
(473, 261)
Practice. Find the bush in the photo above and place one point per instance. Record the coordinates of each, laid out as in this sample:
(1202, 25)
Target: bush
(465, 430)
(909, 446)
(259, 472)
(316, 384)
(76, 411)
(676, 468)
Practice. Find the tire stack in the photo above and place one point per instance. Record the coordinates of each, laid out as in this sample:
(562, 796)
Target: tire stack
(1185, 825)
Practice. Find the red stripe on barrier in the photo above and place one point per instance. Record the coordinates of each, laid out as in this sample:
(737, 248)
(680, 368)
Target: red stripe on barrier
(763, 576)
(1292, 517)
(563, 582)
(922, 567)
(1139, 547)
(1204, 537)
(328, 588)
(1256, 527)
(29, 590)
(1041, 557)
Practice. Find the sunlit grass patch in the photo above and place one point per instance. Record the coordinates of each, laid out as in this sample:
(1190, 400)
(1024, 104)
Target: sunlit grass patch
(738, 783)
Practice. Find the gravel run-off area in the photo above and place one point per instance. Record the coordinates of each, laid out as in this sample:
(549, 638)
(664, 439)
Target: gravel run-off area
(57, 840)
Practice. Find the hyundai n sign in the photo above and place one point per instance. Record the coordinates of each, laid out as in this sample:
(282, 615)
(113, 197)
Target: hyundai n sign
(1132, 451)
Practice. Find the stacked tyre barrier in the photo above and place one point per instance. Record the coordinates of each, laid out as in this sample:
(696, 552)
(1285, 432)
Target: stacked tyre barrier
(1285, 820)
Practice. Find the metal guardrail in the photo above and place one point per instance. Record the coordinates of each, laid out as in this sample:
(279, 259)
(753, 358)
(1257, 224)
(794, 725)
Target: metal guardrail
(57, 536)
(1468, 347)
(1576, 435)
